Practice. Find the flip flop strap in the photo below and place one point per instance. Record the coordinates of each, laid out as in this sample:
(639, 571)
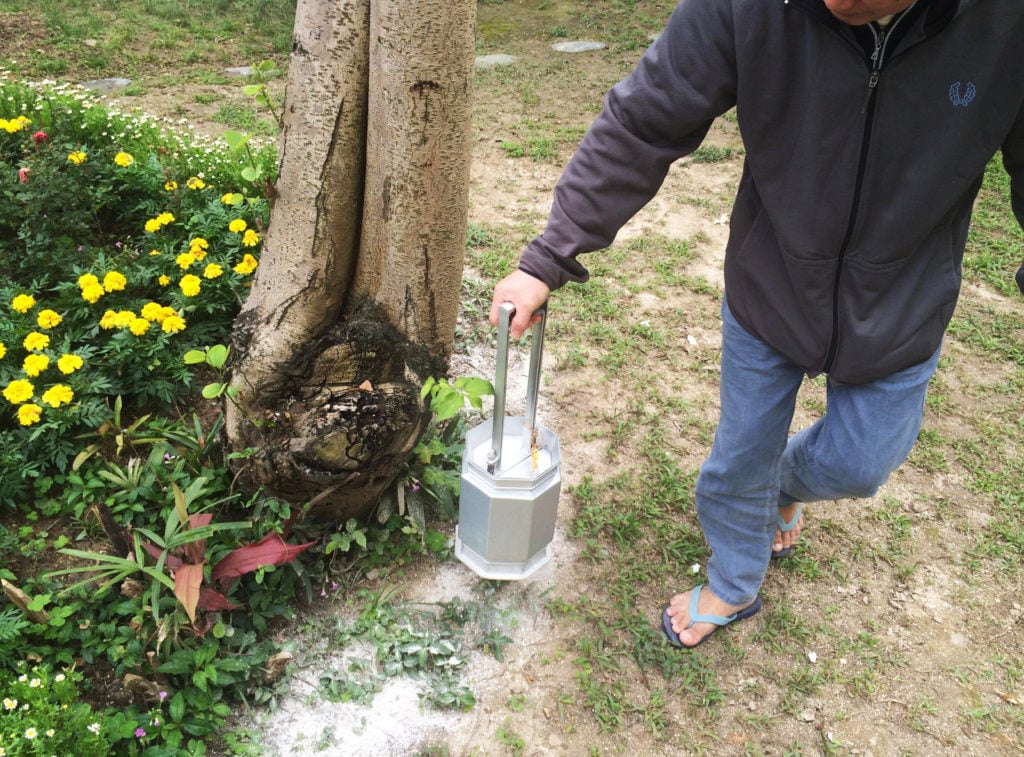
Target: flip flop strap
(697, 617)
(789, 525)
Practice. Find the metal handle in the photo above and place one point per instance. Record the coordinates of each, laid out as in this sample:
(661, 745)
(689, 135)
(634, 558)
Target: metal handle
(505, 314)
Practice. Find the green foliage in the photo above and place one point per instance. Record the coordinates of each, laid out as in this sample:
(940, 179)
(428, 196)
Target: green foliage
(122, 245)
(41, 714)
(404, 645)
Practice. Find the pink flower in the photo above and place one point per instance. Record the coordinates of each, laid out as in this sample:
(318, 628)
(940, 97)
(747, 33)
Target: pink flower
(39, 137)
(23, 173)
(139, 733)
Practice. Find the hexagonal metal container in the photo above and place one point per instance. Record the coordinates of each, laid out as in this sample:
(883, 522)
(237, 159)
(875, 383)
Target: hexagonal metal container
(511, 480)
(507, 518)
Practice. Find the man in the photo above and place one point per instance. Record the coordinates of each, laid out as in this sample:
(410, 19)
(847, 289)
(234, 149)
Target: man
(867, 126)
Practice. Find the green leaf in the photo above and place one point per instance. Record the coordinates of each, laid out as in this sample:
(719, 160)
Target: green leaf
(217, 355)
(427, 386)
(212, 391)
(177, 707)
(476, 387)
(236, 140)
(250, 173)
(252, 89)
(39, 601)
(194, 357)
(447, 404)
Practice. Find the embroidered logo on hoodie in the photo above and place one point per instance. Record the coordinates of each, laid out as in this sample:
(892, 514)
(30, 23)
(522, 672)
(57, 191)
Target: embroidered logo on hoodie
(965, 99)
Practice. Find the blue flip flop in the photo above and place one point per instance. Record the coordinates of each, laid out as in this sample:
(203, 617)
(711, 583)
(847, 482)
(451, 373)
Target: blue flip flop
(696, 617)
(787, 526)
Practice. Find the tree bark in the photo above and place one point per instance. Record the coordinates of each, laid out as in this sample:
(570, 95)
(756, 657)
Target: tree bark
(355, 299)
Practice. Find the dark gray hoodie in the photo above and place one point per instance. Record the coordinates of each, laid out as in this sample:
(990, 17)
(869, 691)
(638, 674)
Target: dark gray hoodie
(860, 172)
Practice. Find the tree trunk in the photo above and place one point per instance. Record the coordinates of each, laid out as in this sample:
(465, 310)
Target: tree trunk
(355, 299)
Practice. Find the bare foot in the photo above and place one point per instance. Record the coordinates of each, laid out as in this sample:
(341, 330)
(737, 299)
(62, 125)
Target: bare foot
(708, 604)
(788, 539)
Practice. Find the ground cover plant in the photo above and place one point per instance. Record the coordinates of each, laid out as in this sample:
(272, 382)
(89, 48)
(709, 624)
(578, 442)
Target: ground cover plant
(126, 247)
(895, 628)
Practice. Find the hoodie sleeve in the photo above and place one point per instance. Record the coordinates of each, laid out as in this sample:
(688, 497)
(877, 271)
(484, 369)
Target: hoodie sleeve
(659, 113)
(1013, 161)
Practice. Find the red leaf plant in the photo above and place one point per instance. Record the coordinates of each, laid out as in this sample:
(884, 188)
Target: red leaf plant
(187, 562)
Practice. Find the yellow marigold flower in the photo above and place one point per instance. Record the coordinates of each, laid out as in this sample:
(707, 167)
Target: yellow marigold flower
(93, 292)
(154, 253)
(198, 245)
(78, 157)
(68, 364)
(27, 415)
(36, 341)
(14, 125)
(155, 224)
(86, 280)
(212, 271)
(167, 313)
(194, 182)
(184, 260)
(23, 303)
(138, 326)
(124, 159)
(153, 311)
(164, 280)
(238, 226)
(173, 324)
(58, 395)
(35, 364)
(231, 198)
(170, 186)
(250, 238)
(246, 266)
(109, 320)
(19, 391)
(190, 285)
(48, 319)
(3, 350)
(114, 281)
(123, 318)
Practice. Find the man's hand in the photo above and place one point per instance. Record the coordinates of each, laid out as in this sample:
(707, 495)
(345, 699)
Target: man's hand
(524, 291)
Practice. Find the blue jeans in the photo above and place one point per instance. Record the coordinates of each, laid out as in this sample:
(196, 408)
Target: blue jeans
(866, 432)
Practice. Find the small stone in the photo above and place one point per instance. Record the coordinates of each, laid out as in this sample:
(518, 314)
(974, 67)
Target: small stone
(142, 689)
(90, 42)
(277, 664)
(580, 46)
(491, 61)
(106, 86)
(807, 716)
(554, 741)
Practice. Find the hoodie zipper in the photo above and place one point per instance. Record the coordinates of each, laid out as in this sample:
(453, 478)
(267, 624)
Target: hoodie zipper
(876, 62)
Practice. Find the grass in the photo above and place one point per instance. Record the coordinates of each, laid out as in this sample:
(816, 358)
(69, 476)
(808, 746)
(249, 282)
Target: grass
(139, 39)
